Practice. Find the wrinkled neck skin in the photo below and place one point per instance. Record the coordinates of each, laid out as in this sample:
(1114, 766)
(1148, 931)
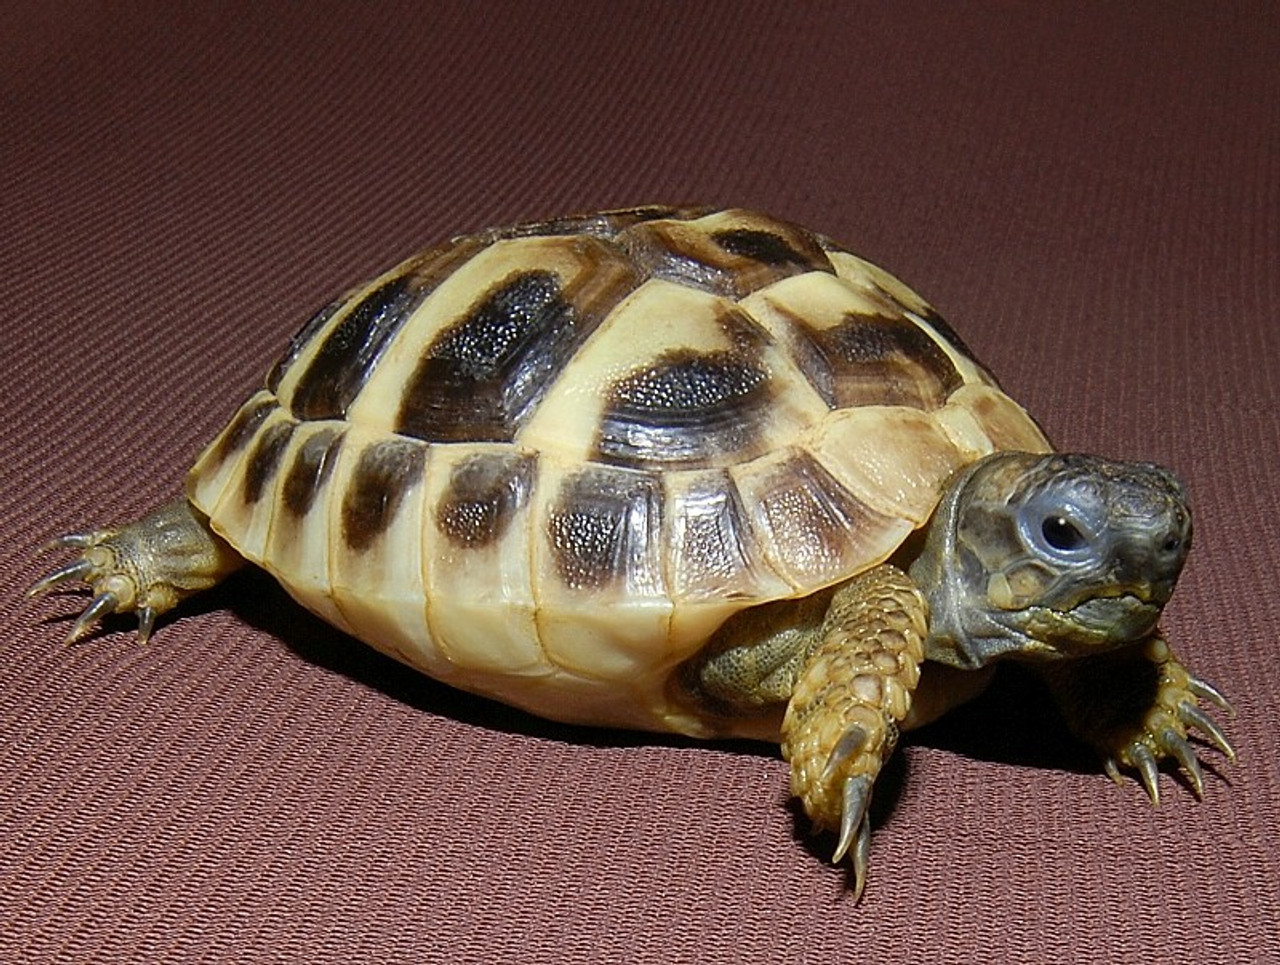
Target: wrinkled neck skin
(1043, 557)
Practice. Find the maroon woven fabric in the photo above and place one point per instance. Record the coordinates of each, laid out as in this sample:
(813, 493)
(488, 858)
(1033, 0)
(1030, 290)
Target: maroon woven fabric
(1089, 192)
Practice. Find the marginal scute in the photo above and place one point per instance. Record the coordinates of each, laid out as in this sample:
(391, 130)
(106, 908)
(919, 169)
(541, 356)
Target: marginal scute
(222, 458)
(310, 466)
(476, 559)
(714, 556)
(243, 521)
(485, 492)
(297, 548)
(264, 459)
(386, 470)
(813, 531)
(376, 543)
(602, 527)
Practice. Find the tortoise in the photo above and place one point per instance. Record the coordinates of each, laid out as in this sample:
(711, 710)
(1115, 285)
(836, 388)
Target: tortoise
(685, 470)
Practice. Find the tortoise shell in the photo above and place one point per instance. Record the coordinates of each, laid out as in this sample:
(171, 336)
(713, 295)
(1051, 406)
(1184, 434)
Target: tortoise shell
(546, 463)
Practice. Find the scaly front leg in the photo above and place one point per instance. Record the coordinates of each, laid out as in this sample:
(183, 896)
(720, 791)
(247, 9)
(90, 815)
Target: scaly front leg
(1136, 707)
(855, 689)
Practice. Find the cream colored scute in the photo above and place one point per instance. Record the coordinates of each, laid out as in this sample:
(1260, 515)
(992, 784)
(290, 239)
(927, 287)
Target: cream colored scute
(812, 531)
(657, 318)
(613, 631)
(297, 550)
(379, 589)
(482, 604)
(822, 301)
(378, 403)
(211, 475)
(246, 526)
(892, 458)
(872, 277)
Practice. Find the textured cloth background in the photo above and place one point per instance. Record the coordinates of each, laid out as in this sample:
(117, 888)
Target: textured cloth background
(1089, 192)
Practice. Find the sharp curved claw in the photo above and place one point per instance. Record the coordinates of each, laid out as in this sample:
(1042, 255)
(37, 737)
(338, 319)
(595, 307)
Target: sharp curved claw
(1176, 745)
(146, 623)
(1113, 771)
(855, 829)
(1207, 691)
(102, 604)
(66, 574)
(851, 741)
(71, 541)
(1145, 762)
(1193, 716)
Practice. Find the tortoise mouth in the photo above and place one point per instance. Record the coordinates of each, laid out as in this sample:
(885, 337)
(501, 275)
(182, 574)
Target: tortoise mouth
(1121, 618)
(1096, 623)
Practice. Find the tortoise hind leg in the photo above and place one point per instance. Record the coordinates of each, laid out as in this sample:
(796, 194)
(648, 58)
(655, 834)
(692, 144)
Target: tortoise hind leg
(146, 566)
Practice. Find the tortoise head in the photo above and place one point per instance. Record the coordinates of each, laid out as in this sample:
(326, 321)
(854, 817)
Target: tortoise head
(1049, 556)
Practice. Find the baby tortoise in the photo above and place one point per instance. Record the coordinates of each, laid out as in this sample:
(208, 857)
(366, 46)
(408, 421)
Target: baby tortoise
(684, 470)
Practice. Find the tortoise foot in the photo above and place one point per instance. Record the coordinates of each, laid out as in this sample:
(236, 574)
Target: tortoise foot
(145, 567)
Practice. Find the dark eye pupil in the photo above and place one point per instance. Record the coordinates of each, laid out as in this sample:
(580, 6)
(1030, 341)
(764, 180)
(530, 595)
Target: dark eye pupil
(1061, 534)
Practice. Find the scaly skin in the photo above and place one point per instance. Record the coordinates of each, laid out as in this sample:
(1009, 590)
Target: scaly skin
(842, 722)
(147, 566)
(1135, 706)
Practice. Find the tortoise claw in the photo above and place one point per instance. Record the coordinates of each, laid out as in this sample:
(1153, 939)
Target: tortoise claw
(855, 830)
(78, 570)
(1163, 731)
(102, 604)
(1193, 716)
(1145, 762)
(1207, 691)
(77, 541)
(1177, 747)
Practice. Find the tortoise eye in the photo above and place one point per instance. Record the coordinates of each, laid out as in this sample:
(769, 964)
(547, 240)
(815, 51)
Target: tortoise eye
(1061, 534)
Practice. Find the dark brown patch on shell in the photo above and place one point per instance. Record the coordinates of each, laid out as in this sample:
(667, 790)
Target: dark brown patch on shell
(873, 360)
(343, 363)
(312, 465)
(301, 338)
(349, 352)
(243, 426)
(939, 325)
(732, 262)
(483, 374)
(485, 493)
(383, 474)
(602, 526)
(686, 408)
(766, 247)
(262, 463)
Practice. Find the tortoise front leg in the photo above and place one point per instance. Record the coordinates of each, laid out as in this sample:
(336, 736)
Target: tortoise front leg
(855, 689)
(1136, 706)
